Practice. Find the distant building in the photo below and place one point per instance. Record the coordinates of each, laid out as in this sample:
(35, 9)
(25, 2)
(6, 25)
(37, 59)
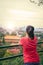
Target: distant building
(11, 39)
(37, 32)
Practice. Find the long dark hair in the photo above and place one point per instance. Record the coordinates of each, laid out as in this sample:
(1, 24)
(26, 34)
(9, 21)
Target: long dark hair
(30, 31)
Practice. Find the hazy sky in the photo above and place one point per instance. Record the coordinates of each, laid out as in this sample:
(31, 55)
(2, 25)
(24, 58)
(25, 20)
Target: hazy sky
(20, 13)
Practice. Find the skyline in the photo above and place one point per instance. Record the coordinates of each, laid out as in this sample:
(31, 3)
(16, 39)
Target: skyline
(17, 13)
(4, 30)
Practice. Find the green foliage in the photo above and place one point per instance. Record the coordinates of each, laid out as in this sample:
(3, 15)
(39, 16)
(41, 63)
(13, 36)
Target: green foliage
(14, 33)
(15, 61)
(23, 34)
(2, 37)
(41, 58)
(2, 53)
(39, 48)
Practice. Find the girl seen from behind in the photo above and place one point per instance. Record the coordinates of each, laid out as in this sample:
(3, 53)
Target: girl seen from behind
(29, 45)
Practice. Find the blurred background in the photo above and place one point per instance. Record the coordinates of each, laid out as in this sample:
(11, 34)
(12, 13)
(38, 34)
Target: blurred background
(15, 15)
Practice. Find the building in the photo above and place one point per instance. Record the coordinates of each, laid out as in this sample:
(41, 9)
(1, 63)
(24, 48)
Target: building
(11, 39)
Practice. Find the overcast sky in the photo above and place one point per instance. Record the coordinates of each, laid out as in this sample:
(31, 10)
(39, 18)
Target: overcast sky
(15, 13)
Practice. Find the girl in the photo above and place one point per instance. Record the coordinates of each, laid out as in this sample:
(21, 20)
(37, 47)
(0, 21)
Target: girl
(29, 44)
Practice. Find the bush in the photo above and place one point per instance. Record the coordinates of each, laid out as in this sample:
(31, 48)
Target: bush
(15, 61)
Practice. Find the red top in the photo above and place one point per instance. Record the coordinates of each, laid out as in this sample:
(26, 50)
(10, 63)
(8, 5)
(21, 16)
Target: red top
(29, 49)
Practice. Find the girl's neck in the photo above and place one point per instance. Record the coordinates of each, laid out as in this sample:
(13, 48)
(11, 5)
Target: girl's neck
(27, 36)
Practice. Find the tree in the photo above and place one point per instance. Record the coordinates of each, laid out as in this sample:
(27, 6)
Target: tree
(13, 33)
(2, 37)
(23, 34)
(38, 2)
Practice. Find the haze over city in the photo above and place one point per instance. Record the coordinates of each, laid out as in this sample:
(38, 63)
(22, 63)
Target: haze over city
(17, 13)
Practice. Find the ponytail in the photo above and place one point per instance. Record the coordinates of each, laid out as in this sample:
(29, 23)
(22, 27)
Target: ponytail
(30, 31)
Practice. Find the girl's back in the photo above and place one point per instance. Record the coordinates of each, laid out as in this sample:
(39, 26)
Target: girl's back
(29, 49)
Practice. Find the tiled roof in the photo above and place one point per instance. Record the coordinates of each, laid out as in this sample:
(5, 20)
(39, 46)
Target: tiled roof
(11, 37)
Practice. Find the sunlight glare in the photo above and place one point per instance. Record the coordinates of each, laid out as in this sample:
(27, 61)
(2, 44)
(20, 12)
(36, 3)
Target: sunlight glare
(10, 25)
